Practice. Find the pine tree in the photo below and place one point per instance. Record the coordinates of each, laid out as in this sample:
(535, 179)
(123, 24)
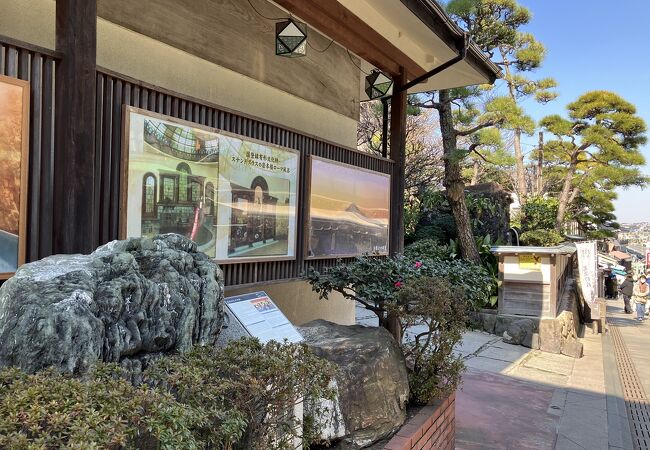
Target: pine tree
(595, 150)
(494, 26)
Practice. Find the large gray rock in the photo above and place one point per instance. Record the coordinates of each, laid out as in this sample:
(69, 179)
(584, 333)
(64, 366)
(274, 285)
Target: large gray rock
(372, 381)
(550, 335)
(127, 302)
(519, 331)
(489, 321)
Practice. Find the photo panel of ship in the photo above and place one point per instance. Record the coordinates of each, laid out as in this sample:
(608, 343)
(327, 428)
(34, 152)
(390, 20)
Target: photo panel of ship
(172, 174)
(348, 211)
(257, 201)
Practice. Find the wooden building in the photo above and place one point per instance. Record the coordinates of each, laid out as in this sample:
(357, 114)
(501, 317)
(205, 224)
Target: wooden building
(532, 280)
(212, 63)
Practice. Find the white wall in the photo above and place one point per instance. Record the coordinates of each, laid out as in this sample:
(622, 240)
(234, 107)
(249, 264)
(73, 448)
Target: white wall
(143, 58)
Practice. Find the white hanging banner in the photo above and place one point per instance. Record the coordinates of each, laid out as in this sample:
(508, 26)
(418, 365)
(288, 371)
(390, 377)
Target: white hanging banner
(588, 270)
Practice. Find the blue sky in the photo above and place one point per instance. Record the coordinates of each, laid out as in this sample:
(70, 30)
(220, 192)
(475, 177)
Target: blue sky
(597, 44)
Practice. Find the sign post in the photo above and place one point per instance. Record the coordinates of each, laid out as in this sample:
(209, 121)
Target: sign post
(261, 318)
(588, 270)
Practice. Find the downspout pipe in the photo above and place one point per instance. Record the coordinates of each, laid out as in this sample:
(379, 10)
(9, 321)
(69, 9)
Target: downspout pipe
(444, 66)
(384, 128)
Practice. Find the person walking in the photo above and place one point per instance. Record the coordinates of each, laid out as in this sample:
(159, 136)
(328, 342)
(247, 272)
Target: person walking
(640, 294)
(627, 289)
(647, 280)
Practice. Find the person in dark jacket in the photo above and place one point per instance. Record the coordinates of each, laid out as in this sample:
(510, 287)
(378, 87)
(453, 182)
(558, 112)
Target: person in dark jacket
(627, 289)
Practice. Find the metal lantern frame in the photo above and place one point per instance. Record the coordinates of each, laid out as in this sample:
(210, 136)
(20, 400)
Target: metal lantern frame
(378, 84)
(290, 38)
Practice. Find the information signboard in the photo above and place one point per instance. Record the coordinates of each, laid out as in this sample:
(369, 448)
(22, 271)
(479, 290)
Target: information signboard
(530, 262)
(262, 318)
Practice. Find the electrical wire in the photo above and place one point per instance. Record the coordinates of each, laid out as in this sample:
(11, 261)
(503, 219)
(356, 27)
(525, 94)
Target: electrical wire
(320, 51)
(262, 15)
(355, 64)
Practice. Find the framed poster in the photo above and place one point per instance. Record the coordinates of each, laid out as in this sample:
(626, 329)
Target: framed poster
(235, 198)
(348, 211)
(257, 201)
(14, 157)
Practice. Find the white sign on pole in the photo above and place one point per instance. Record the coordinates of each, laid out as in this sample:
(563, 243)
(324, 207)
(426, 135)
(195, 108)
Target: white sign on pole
(588, 270)
(261, 318)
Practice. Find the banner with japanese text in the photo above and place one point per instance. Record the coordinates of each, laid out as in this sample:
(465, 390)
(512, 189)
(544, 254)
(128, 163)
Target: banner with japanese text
(588, 270)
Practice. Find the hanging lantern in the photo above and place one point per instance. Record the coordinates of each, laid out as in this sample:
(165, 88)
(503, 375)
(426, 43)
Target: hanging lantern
(290, 38)
(378, 84)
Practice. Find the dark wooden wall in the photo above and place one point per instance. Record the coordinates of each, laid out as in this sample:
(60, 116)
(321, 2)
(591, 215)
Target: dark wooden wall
(113, 91)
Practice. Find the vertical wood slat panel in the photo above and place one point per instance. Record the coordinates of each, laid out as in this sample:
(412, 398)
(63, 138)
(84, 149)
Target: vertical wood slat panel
(35, 147)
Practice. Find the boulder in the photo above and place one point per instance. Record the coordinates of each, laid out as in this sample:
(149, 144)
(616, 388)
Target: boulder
(518, 331)
(531, 341)
(572, 348)
(550, 335)
(371, 381)
(489, 322)
(128, 302)
(503, 322)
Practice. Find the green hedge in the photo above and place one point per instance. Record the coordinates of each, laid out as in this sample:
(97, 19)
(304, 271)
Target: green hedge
(234, 398)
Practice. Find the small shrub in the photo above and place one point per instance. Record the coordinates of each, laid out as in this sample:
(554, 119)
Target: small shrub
(441, 229)
(427, 248)
(437, 308)
(50, 410)
(541, 238)
(375, 282)
(539, 213)
(236, 397)
(248, 390)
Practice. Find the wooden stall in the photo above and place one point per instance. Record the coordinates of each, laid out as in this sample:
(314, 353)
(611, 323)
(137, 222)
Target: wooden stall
(532, 279)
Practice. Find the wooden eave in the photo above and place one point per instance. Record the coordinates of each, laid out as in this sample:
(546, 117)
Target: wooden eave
(435, 18)
(337, 22)
(333, 19)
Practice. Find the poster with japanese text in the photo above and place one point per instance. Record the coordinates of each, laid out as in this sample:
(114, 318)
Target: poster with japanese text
(257, 200)
(235, 198)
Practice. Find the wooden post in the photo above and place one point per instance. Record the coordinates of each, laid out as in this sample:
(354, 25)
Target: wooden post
(397, 154)
(74, 157)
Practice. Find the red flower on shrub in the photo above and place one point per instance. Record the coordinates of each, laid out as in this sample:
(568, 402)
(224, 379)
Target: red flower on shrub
(398, 284)
(418, 264)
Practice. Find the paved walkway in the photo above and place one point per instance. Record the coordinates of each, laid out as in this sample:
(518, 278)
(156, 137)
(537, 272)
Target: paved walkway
(515, 398)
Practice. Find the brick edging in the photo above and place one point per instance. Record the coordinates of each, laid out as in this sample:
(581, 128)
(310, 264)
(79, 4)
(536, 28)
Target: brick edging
(433, 427)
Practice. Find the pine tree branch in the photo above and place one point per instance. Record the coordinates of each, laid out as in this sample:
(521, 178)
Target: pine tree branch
(478, 127)
(472, 148)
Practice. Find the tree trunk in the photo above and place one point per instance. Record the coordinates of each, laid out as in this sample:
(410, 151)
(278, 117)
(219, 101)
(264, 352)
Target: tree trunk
(564, 197)
(394, 326)
(475, 174)
(522, 188)
(453, 181)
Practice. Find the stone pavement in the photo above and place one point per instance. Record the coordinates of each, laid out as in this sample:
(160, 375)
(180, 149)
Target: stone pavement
(515, 398)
